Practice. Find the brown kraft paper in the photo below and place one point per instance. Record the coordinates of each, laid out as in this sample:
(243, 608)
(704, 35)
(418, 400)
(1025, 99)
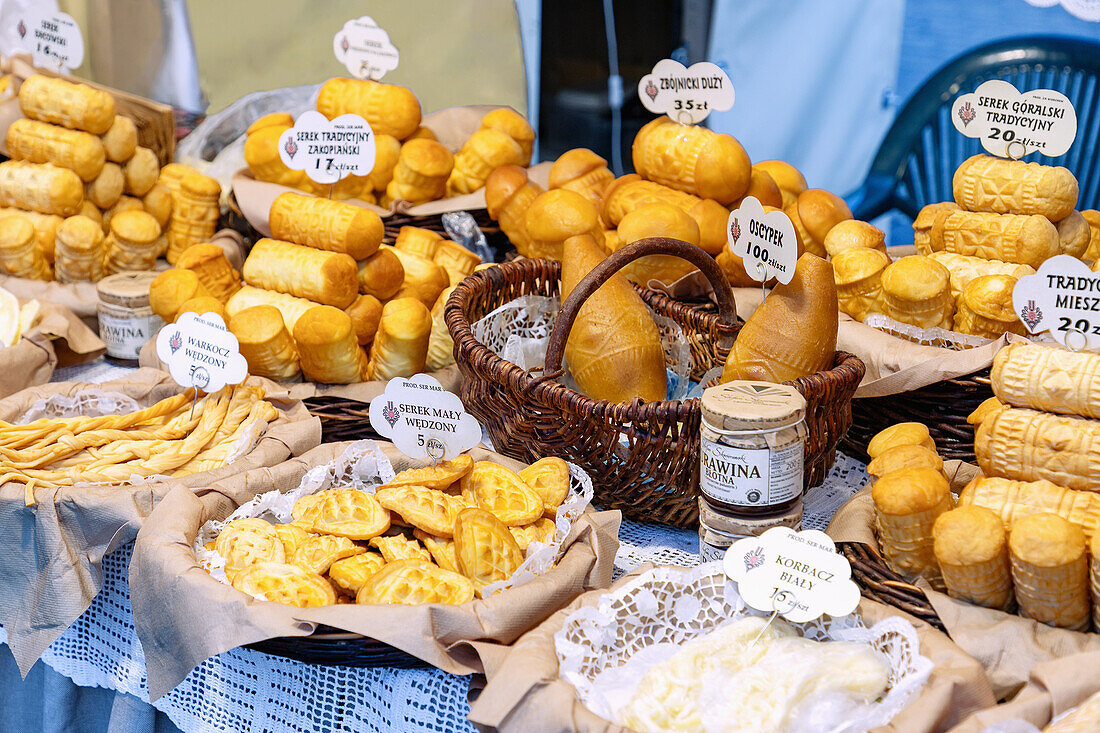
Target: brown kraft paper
(183, 616)
(58, 338)
(52, 551)
(1053, 687)
(1006, 645)
(525, 694)
(449, 377)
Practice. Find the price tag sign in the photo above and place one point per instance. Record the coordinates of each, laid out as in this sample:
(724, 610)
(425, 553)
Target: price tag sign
(764, 240)
(53, 39)
(687, 95)
(328, 151)
(800, 575)
(1062, 298)
(201, 352)
(365, 49)
(424, 420)
(1011, 124)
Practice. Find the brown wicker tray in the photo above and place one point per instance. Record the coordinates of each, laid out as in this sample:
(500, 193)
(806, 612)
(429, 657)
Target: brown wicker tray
(942, 406)
(879, 583)
(643, 456)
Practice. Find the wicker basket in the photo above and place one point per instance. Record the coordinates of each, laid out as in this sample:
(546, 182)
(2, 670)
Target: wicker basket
(942, 406)
(879, 583)
(644, 457)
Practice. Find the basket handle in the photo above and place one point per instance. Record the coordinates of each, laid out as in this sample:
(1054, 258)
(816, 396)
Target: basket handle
(601, 273)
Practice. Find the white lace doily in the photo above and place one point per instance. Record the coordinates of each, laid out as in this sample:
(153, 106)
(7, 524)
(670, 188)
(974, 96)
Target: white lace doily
(364, 466)
(519, 332)
(87, 403)
(674, 606)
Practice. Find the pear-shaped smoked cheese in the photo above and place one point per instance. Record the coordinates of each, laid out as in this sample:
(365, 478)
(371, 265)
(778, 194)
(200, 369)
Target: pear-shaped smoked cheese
(614, 349)
(793, 333)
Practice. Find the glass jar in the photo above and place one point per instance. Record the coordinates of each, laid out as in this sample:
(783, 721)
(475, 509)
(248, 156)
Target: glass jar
(752, 441)
(126, 321)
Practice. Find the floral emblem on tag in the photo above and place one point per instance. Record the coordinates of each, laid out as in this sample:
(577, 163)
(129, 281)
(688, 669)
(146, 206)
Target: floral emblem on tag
(1031, 314)
(291, 147)
(967, 114)
(175, 342)
(651, 89)
(344, 44)
(754, 558)
(391, 413)
(22, 28)
(735, 230)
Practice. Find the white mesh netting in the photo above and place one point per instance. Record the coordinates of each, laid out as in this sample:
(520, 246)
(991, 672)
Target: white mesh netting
(88, 403)
(604, 650)
(248, 691)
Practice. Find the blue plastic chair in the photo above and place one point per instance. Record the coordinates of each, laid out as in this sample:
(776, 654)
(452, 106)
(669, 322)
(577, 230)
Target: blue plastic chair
(918, 156)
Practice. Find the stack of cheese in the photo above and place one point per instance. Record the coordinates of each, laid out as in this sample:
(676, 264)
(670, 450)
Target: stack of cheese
(81, 198)
(463, 526)
(1027, 530)
(688, 180)
(1007, 219)
(323, 297)
(410, 163)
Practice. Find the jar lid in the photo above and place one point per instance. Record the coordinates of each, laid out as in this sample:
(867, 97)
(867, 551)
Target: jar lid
(129, 289)
(743, 405)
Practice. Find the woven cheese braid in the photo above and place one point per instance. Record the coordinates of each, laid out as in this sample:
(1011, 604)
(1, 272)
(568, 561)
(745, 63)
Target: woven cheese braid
(216, 456)
(69, 445)
(18, 436)
(154, 460)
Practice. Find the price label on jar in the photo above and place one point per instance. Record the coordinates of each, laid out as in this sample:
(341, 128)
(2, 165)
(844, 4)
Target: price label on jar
(201, 352)
(764, 240)
(328, 151)
(1011, 124)
(424, 420)
(800, 575)
(687, 95)
(365, 49)
(1063, 299)
(52, 38)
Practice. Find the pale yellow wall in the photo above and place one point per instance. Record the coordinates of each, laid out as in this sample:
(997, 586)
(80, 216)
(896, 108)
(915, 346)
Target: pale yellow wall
(452, 53)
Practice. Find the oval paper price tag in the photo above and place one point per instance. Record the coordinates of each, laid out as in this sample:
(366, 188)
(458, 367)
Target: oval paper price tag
(365, 49)
(1063, 298)
(798, 574)
(1011, 124)
(201, 352)
(764, 240)
(52, 38)
(424, 420)
(328, 151)
(687, 95)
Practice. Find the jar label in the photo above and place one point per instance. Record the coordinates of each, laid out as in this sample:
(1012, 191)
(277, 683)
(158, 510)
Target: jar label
(710, 552)
(750, 476)
(124, 337)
